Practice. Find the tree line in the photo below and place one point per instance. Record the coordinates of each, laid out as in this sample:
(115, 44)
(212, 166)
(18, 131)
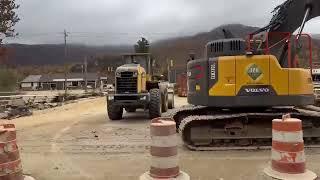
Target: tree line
(8, 19)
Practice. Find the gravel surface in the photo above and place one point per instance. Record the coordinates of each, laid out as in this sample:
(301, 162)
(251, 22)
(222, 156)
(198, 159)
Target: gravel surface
(77, 141)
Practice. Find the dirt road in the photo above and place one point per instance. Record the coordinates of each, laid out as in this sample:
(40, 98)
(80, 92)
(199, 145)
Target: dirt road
(79, 142)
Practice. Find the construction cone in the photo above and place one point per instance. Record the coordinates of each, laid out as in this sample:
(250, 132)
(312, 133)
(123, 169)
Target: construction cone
(10, 162)
(164, 152)
(287, 154)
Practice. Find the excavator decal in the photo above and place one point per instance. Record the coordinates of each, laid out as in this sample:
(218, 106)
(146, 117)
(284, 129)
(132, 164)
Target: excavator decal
(254, 71)
(257, 90)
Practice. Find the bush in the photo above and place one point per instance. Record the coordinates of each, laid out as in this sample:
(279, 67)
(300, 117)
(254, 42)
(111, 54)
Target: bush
(8, 80)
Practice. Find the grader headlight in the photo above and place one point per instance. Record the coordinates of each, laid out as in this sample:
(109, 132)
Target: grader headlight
(135, 74)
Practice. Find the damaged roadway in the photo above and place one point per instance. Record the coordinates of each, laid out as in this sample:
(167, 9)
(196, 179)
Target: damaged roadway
(77, 141)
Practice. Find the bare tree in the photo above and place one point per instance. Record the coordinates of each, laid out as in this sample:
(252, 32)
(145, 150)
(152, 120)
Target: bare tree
(8, 18)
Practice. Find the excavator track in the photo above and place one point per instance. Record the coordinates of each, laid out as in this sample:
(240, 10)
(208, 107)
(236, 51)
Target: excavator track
(209, 129)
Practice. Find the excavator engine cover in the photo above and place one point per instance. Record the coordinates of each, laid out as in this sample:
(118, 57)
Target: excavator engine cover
(229, 78)
(247, 81)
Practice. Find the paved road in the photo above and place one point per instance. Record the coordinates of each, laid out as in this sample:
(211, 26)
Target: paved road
(78, 141)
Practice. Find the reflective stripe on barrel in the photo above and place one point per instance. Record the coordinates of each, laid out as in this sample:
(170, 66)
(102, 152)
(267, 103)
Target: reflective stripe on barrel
(287, 146)
(10, 168)
(164, 151)
(10, 163)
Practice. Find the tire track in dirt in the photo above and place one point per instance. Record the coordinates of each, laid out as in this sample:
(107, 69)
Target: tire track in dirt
(66, 161)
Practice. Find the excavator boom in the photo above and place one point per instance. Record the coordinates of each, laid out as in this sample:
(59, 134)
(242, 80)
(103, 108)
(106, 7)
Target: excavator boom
(291, 15)
(288, 17)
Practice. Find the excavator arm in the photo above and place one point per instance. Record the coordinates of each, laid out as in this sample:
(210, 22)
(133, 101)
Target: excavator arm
(288, 17)
(291, 15)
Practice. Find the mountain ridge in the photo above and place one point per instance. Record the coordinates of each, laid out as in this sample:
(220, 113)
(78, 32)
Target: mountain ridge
(176, 49)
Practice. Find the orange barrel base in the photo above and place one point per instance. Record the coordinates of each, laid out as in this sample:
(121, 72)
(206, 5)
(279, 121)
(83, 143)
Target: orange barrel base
(13, 176)
(16, 176)
(181, 176)
(307, 175)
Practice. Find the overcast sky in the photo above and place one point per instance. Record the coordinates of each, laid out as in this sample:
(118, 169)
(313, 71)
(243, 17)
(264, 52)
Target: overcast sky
(99, 22)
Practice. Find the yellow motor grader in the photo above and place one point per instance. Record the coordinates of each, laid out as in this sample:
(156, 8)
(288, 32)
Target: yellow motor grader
(136, 87)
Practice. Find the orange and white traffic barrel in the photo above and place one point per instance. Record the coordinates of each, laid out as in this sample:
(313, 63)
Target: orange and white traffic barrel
(10, 162)
(164, 151)
(287, 154)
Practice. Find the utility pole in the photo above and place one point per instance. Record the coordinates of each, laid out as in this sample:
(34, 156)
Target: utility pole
(85, 74)
(65, 34)
(99, 83)
(168, 70)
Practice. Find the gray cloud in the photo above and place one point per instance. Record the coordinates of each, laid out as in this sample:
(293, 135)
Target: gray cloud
(124, 21)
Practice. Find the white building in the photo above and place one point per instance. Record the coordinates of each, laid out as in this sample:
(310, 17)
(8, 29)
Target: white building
(32, 82)
(57, 81)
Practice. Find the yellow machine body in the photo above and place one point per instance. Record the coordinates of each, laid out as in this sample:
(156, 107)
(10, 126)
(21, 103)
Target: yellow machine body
(141, 80)
(247, 80)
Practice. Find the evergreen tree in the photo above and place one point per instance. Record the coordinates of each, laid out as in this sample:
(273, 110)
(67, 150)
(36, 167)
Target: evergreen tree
(142, 46)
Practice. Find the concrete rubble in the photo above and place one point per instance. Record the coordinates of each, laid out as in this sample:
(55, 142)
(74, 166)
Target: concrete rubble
(15, 107)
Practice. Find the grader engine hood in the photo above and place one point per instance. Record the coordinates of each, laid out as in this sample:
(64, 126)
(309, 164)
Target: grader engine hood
(128, 68)
(129, 79)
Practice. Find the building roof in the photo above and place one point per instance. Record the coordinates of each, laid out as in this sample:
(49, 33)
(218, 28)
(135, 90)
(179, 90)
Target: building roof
(136, 54)
(70, 76)
(32, 78)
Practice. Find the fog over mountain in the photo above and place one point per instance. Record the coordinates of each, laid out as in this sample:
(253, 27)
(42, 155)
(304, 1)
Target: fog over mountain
(115, 22)
(172, 48)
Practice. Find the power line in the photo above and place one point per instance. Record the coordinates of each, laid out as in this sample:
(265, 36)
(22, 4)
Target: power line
(100, 34)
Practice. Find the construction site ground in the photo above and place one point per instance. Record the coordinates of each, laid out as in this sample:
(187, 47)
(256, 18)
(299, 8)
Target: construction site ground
(78, 142)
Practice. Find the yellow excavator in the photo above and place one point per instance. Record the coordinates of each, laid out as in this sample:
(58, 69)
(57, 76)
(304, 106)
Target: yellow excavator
(241, 85)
